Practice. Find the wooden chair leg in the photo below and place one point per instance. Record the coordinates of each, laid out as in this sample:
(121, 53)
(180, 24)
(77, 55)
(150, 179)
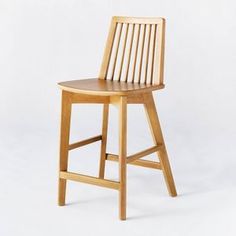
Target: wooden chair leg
(158, 139)
(104, 140)
(64, 143)
(122, 155)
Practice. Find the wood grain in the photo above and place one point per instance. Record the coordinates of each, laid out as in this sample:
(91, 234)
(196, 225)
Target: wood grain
(99, 87)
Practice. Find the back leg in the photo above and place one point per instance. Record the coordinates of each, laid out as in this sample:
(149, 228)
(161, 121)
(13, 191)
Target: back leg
(155, 128)
(104, 140)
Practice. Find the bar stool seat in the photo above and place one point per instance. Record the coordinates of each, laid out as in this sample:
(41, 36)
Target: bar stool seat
(106, 87)
(132, 68)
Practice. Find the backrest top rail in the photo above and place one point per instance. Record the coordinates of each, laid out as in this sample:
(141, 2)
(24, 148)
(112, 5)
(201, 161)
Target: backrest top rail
(138, 20)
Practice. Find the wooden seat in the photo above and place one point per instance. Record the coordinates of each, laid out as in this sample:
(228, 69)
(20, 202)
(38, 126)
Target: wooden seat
(106, 87)
(132, 68)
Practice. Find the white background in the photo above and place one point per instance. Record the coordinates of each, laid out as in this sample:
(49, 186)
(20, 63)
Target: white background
(43, 42)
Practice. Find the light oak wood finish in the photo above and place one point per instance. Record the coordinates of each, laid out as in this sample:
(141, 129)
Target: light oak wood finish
(99, 87)
(85, 142)
(104, 140)
(64, 143)
(122, 155)
(132, 68)
(143, 163)
(143, 153)
(158, 139)
(89, 180)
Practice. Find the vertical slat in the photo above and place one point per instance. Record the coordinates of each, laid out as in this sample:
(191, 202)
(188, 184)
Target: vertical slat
(141, 56)
(117, 49)
(153, 53)
(130, 50)
(108, 50)
(136, 53)
(147, 55)
(123, 52)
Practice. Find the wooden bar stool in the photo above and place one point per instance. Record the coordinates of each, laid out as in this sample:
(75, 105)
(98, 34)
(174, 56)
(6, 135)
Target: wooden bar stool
(132, 68)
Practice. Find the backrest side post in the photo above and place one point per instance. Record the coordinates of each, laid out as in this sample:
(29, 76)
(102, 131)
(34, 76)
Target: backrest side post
(108, 50)
(161, 53)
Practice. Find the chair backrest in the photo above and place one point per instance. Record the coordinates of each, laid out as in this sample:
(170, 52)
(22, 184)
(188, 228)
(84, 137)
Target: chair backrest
(134, 50)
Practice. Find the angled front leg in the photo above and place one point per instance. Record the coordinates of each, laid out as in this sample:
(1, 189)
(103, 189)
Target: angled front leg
(104, 140)
(64, 143)
(158, 139)
(122, 155)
